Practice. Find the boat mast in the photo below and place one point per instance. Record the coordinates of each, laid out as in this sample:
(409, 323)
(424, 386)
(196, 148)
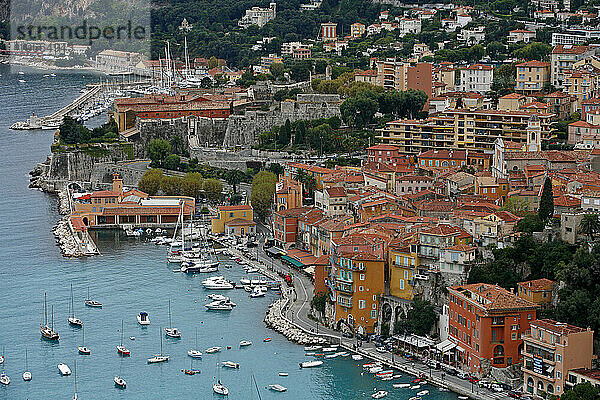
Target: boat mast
(170, 324)
(75, 380)
(121, 332)
(72, 304)
(160, 341)
(52, 318)
(45, 311)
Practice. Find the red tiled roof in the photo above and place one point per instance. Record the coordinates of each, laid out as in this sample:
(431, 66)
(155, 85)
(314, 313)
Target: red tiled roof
(512, 96)
(534, 63)
(498, 298)
(445, 154)
(560, 328)
(566, 49)
(538, 284)
(240, 222)
(234, 208)
(105, 193)
(336, 191)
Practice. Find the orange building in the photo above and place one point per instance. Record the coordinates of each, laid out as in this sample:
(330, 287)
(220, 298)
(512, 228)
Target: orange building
(538, 291)
(487, 322)
(551, 350)
(288, 193)
(166, 107)
(321, 274)
(356, 281)
(492, 188)
(116, 208)
(285, 225)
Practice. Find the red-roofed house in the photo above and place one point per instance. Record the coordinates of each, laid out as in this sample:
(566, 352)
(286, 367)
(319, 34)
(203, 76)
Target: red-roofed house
(234, 215)
(520, 35)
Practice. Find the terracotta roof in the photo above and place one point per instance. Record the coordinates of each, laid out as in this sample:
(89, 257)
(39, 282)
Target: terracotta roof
(507, 216)
(495, 298)
(560, 328)
(534, 63)
(445, 154)
(387, 147)
(141, 211)
(538, 284)
(512, 96)
(480, 67)
(234, 208)
(569, 49)
(461, 247)
(323, 260)
(293, 212)
(361, 256)
(336, 191)
(240, 222)
(105, 193)
(590, 373)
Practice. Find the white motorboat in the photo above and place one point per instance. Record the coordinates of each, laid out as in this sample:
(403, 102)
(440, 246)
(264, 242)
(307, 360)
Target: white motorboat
(331, 355)
(375, 369)
(64, 369)
(415, 387)
(230, 364)
(312, 348)
(311, 364)
(401, 385)
(277, 388)
(283, 374)
(423, 393)
(251, 270)
(4, 379)
(244, 343)
(195, 353)
(218, 285)
(357, 357)
(217, 297)
(214, 349)
(158, 358)
(329, 349)
(120, 382)
(379, 395)
(143, 318)
(170, 331)
(221, 389)
(258, 291)
(219, 306)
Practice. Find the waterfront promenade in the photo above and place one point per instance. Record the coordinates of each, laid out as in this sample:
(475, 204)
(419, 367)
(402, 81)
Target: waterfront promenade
(296, 312)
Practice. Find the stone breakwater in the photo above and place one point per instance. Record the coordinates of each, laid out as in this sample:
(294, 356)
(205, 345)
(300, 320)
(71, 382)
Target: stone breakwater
(275, 321)
(66, 240)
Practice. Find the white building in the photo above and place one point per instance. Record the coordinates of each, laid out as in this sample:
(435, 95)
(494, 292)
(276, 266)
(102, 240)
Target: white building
(258, 16)
(562, 59)
(520, 35)
(472, 36)
(37, 48)
(287, 49)
(409, 25)
(116, 62)
(476, 78)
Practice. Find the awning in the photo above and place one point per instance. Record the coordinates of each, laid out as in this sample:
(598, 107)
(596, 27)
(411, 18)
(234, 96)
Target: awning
(445, 346)
(460, 349)
(292, 261)
(310, 270)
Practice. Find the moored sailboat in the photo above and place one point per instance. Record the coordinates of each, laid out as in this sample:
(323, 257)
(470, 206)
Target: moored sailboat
(72, 319)
(158, 358)
(92, 303)
(195, 353)
(170, 331)
(124, 351)
(82, 349)
(27, 374)
(46, 331)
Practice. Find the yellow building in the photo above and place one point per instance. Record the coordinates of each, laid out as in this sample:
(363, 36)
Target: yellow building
(532, 76)
(538, 291)
(228, 216)
(402, 263)
(356, 281)
(357, 30)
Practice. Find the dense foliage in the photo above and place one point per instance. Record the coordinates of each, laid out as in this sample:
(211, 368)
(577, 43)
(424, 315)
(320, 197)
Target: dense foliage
(263, 192)
(419, 320)
(191, 184)
(73, 132)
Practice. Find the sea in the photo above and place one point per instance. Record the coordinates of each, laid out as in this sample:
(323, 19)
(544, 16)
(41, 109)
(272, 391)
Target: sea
(130, 275)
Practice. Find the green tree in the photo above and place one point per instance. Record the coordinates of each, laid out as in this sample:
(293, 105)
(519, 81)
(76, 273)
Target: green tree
(300, 136)
(546, 208)
(151, 181)
(419, 320)
(516, 205)
(276, 168)
(590, 225)
(530, 223)
(212, 189)
(285, 133)
(192, 184)
(71, 131)
(262, 193)
(359, 111)
(234, 177)
(172, 186)
(158, 150)
(172, 162)
(320, 66)
(276, 70)
(534, 51)
(581, 391)
(319, 301)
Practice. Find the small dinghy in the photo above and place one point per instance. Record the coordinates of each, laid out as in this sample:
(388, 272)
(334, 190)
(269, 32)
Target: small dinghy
(245, 343)
(379, 395)
(214, 349)
(64, 369)
(283, 374)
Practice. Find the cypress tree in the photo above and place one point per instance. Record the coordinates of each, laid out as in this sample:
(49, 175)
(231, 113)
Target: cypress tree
(546, 209)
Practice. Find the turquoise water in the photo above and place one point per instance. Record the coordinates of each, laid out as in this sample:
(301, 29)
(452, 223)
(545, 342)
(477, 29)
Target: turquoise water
(131, 275)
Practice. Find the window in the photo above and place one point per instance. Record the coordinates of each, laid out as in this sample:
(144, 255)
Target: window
(374, 297)
(558, 358)
(361, 288)
(374, 314)
(362, 277)
(361, 304)
(401, 284)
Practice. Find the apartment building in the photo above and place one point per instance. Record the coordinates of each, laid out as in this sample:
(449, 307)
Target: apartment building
(532, 76)
(551, 349)
(233, 216)
(487, 323)
(472, 36)
(328, 31)
(583, 83)
(562, 59)
(476, 78)
(433, 240)
(396, 74)
(462, 129)
(404, 264)
(356, 281)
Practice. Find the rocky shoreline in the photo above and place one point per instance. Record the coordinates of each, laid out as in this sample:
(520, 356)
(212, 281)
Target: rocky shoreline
(275, 321)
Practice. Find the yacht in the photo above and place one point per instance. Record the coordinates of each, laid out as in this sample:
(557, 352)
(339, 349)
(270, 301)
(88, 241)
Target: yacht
(27, 373)
(193, 352)
(120, 382)
(221, 389)
(244, 343)
(214, 349)
(122, 350)
(170, 331)
(46, 331)
(218, 285)
(277, 388)
(311, 364)
(158, 358)
(143, 318)
(92, 303)
(379, 395)
(258, 291)
(230, 364)
(221, 305)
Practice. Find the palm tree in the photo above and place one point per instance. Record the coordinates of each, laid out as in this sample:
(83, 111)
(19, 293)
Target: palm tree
(234, 177)
(590, 225)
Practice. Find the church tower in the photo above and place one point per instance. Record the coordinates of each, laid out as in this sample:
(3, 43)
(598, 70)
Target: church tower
(534, 134)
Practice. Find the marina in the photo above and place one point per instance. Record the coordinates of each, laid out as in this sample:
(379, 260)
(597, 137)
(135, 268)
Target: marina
(125, 279)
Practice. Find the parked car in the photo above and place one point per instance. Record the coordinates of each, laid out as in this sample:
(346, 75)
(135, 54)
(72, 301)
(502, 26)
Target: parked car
(496, 388)
(514, 394)
(449, 370)
(462, 375)
(472, 379)
(381, 349)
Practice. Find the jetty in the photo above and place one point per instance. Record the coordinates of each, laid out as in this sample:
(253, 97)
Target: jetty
(94, 97)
